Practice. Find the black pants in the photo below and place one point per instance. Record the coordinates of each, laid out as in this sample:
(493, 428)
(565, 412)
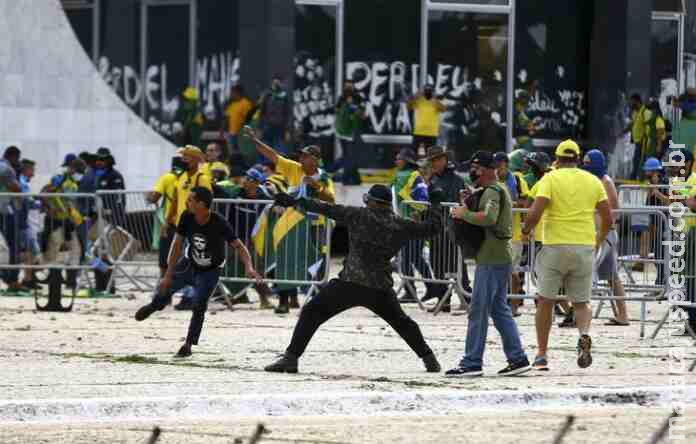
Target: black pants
(339, 296)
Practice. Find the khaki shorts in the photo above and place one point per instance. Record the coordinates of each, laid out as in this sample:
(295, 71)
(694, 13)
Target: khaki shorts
(567, 266)
(517, 249)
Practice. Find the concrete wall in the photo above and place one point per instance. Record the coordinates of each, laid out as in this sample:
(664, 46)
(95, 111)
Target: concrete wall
(54, 102)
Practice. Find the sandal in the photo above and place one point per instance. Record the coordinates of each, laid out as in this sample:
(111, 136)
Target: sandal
(616, 323)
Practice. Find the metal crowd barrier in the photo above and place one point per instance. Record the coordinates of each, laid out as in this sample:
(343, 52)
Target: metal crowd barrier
(290, 248)
(45, 243)
(433, 262)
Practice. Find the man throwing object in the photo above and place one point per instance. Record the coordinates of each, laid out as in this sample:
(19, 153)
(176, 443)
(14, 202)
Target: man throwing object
(201, 266)
(376, 235)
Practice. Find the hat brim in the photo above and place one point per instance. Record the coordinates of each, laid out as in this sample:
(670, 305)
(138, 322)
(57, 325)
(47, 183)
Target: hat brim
(367, 197)
(435, 156)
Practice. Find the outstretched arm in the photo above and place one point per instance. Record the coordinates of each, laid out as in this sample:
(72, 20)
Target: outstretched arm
(263, 149)
(430, 227)
(245, 257)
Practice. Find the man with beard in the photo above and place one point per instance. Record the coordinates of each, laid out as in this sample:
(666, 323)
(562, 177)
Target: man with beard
(207, 234)
(426, 114)
(350, 112)
(376, 234)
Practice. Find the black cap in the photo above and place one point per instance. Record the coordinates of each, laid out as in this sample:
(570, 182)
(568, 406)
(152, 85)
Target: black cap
(407, 155)
(501, 157)
(379, 193)
(483, 159)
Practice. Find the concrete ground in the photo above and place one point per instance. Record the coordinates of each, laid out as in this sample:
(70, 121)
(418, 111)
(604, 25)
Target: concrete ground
(99, 353)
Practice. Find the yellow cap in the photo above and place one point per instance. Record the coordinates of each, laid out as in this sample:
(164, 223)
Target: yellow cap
(568, 148)
(191, 151)
(219, 166)
(191, 93)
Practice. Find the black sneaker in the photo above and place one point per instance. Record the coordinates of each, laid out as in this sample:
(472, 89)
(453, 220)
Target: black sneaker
(464, 372)
(184, 351)
(584, 348)
(516, 368)
(184, 304)
(144, 312)
(431, 364)
(286, 364)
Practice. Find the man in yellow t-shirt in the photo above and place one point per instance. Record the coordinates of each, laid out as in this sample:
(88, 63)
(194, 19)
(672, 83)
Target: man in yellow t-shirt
(305, 179)
(426, 115)
(567, 197)
(237, 113)
(165, 189)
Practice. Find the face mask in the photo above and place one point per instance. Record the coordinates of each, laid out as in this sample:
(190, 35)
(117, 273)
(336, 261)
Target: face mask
(99, 172)
(474, 176)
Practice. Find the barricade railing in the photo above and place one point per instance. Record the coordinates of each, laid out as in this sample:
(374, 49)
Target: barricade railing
(129, 239)
(44, 239)
(289, 248)
(436, 262)
(680, 273)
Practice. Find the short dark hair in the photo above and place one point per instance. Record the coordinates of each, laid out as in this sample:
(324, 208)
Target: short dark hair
(239, 88)
(12, 151)
(203, 195)
(637, 97)
(27, 163)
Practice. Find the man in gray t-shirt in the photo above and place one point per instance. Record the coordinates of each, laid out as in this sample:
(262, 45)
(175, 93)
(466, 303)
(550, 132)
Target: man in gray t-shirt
(8, 217)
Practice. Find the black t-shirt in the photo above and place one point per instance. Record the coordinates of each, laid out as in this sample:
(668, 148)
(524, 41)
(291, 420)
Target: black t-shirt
(206, 243)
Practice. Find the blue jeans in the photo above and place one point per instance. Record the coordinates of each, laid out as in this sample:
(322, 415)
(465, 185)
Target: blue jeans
(490, 299)
(203, 283)
(10, 230)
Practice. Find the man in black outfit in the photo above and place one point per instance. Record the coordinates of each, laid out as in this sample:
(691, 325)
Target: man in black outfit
(376, 235)
(204, 259)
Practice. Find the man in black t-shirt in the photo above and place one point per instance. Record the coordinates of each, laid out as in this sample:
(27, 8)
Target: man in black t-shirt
(208, 234)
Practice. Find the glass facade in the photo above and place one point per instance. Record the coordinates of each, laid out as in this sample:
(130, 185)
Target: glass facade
(468, 70)
(381, 41)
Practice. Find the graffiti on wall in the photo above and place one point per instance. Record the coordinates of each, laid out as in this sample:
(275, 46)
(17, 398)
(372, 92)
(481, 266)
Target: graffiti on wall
(470, 99)
(214, 77)
(313, 98)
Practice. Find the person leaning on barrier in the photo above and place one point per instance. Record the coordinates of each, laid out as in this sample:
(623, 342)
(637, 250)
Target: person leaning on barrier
(493, 268)
(191, 178)
(443, 257)
(207, 234)
(8, 218)
(606, 263)
(408, 185)
(376, 234)
(243, 217)
(165, 189)
(567, 198)
(305, 179)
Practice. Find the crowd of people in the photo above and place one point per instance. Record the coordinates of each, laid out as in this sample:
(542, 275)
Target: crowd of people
(67, 225)
(569, 227)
